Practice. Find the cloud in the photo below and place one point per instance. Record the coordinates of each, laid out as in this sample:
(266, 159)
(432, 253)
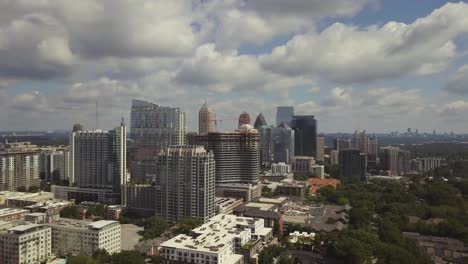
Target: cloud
(458, 82)
(229, 71)
(349, 54)
(454, 108)
(31, 102)
(257, 21)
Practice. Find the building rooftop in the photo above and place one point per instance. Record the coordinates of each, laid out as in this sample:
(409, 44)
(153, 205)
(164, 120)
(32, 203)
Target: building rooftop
(101, 224)
(23, 228)
(10, 211)
(82, 225)
(40, 196)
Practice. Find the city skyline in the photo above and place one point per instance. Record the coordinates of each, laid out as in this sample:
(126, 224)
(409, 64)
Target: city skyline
(252, 56)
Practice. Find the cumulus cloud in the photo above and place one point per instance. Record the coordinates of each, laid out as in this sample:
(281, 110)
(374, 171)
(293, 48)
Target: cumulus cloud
(228, 71)
(458, 82)
(346, 53)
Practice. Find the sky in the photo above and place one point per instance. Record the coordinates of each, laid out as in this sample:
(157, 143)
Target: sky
(378, 65)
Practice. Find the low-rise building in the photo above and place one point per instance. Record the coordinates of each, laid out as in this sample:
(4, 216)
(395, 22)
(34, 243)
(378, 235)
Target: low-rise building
(221, 240)
(29, 243)
(318, 171)
(302, 164)
(12, 214)
(22, 199)
(268, 212)
(225, 205)
(247, 192)
(280, 168)
(73, 237)
(318, 218)
(440, 248)
(293, 188)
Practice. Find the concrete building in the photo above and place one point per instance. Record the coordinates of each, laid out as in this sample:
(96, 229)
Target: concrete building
(247, 192)
(221, 240)
(186, 178)
(12, 214)
(184, 187)
(293, 188)
(19, 166)
(302, 164)
(360, 141)
(236, 154)
(244, 119)
(74, 237)
(25, 244)
(334, 157)
(99, 159)
(206, 120)
(284, 114)
(276, 144)
(22, 199)
(425, 164)
(353, 164)
(305, 136)
(318, 171)
(321, 148)
(55, 164)
(226, 205)
(280, 168)
(394, 160)
(153, 127)
(341, 144)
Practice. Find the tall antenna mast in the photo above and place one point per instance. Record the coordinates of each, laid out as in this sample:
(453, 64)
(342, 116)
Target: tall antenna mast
(97, 115)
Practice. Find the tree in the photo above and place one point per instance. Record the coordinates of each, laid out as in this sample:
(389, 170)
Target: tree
(267, 192)
(128, 257)
(81, 259)
(101, 256)
(186, 225)
(154, 227)
(359, 217)
(70, 212)
(33, 189)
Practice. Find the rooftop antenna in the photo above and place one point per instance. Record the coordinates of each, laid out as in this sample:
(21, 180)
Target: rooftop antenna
(97, 115)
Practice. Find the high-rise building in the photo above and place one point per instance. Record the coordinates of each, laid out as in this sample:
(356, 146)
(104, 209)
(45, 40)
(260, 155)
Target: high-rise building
(77, 127)
(321, 148)
(19, 166)
(29, 243)
(341, 144)
(186, 176)
(55, 164)
(284, 114)
(184, 186)
(244, 119)
(236, 154)
(360, 141)
(99, 159)
(260, 121)
(153, 127)
(305, 135)
(206, 120)
(372, 146)
(394, 160)
(276, 144)
(352, 163)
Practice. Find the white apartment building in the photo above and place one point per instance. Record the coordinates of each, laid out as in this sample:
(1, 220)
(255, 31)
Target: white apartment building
(73, 237)
(216, 242)
(25, 244)
(280, 168)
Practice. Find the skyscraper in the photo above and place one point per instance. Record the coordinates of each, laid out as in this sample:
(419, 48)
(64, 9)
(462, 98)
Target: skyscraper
(284, 114)
(236, 154)
(305, 135)
(352, 163)
(99, 159)
(19, 167)
(395, 160)
(321, 148)
(186, 180)
(206, 120)
(341, 144)
(260, 121)
(153, 128)
(360, 141)
(276, 144)
(244, 119)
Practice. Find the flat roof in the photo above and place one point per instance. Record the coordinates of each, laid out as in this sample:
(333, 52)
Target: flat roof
(9, 211)
(102, 223)
(273, 200)
(261, 206)
(22, 228)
